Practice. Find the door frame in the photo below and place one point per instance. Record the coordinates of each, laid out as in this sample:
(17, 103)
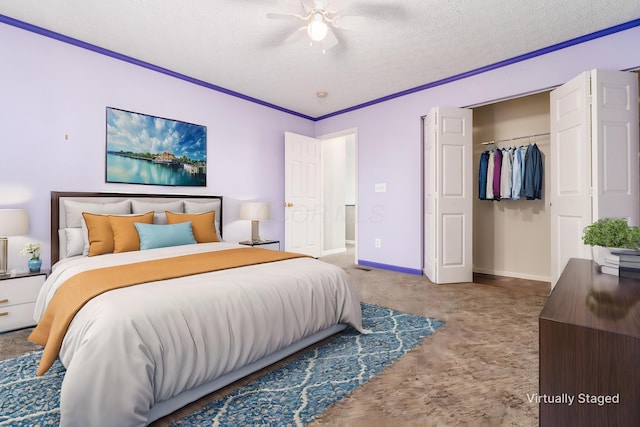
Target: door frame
(338, 134)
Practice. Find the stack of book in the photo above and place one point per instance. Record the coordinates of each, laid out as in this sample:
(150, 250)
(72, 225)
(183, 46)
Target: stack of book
(628, 263)
(610, 264)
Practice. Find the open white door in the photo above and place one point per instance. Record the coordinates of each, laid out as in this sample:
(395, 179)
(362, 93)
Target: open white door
(448, 195)
(594, 159)
(430, 198)
(302, 194)
(570, 203)
(615, 145)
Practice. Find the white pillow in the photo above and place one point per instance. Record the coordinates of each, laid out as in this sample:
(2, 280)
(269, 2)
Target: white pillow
(200, 207)
(74, 242)
(158, 209)
(74, 210)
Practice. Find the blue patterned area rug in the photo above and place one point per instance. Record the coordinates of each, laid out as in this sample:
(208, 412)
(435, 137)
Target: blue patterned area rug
(292, 394)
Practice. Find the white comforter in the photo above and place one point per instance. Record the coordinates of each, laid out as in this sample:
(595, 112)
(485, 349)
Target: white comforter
(130, 348)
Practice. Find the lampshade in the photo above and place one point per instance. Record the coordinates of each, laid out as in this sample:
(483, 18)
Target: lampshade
(255, 211)
(13, 222)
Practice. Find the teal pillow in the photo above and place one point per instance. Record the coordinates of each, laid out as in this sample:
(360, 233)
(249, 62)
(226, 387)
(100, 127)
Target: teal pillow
(160, 235)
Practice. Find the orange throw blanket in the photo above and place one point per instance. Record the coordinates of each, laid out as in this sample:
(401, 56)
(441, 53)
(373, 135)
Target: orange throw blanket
(74, 293)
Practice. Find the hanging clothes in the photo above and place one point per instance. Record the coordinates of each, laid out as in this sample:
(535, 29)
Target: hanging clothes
(505, 174)
(511, 173)
(482, 175)
(516, 174)
(490, 168)
(497, 169)
(523, 154)
(532, 183)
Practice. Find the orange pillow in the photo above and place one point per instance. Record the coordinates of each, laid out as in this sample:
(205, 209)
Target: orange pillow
(202, 224)
(125, 235)
(100, 234)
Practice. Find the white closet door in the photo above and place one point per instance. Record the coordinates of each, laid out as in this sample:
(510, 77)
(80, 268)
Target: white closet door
(430, 197)
(570, 172)
(615, 145)
(449, 195)
(594, 158)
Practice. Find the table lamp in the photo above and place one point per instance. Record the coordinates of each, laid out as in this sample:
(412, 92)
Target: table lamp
(255, 211)
(13, 222)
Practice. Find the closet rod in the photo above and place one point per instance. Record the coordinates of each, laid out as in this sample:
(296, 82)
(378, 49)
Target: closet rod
(513, 139)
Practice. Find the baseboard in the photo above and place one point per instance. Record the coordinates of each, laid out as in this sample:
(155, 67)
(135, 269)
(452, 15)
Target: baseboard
(512, 274)
(414, 271)
(334, 251)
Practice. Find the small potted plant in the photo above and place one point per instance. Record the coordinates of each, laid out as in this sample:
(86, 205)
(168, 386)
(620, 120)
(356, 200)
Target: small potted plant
(610, 233)
(33, 249)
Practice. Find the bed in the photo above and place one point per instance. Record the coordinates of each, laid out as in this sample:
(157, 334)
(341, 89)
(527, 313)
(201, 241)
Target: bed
(138, 352)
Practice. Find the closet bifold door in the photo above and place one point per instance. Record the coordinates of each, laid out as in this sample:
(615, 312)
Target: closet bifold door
(448, 195)
(594, 159)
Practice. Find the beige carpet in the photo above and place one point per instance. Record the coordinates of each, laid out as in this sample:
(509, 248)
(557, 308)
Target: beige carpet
(475, 371)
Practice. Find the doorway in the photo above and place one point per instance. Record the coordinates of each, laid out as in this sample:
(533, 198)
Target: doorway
(512, 238)
(339, 192)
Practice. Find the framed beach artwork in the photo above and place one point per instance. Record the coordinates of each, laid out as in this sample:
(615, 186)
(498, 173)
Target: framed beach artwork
(144, 149)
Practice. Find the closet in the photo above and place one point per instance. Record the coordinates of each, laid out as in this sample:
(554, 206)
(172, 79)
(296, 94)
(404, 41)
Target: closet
(587, 133)
(512, 238)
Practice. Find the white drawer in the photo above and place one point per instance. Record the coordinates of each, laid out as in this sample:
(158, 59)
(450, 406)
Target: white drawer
(20, 290)
(16, 316)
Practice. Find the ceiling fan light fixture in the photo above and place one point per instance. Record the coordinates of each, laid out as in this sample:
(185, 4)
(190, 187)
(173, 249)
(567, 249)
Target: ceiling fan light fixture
(317, 28)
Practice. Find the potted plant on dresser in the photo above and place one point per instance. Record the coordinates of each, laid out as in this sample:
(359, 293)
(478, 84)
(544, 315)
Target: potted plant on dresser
(608, 235)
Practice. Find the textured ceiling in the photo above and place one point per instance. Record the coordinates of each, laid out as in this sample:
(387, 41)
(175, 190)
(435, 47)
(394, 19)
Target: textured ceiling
(405, 44)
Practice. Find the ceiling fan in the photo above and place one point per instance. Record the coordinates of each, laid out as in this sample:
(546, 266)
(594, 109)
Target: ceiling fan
(320, 18)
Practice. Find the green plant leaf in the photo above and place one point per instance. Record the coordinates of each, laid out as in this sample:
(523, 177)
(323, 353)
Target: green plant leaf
(612, 233)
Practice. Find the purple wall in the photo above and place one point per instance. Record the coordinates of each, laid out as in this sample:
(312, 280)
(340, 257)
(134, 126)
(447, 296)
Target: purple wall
(389, 147)
(49, 89)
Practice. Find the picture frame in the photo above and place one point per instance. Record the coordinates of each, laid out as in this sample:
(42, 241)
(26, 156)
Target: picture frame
(152, 150)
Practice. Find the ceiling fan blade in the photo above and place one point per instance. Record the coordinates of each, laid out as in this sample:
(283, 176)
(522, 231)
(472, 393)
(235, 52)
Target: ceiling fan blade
(297, 35)
(330, 40)
(308, 5)
(334, 6)
(283, 16)
(350, 22)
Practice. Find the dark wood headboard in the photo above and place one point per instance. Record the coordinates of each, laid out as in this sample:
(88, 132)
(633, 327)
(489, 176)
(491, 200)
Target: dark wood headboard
(58, 196)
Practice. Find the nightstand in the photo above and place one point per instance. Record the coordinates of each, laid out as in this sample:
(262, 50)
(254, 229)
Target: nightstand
(269, 243)
(18, 293)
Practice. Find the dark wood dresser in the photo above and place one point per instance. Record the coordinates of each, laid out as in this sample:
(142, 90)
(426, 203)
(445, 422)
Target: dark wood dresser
(590, 350)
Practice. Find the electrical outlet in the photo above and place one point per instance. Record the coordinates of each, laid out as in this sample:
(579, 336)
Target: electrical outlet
(378, 243)
(380, 188)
